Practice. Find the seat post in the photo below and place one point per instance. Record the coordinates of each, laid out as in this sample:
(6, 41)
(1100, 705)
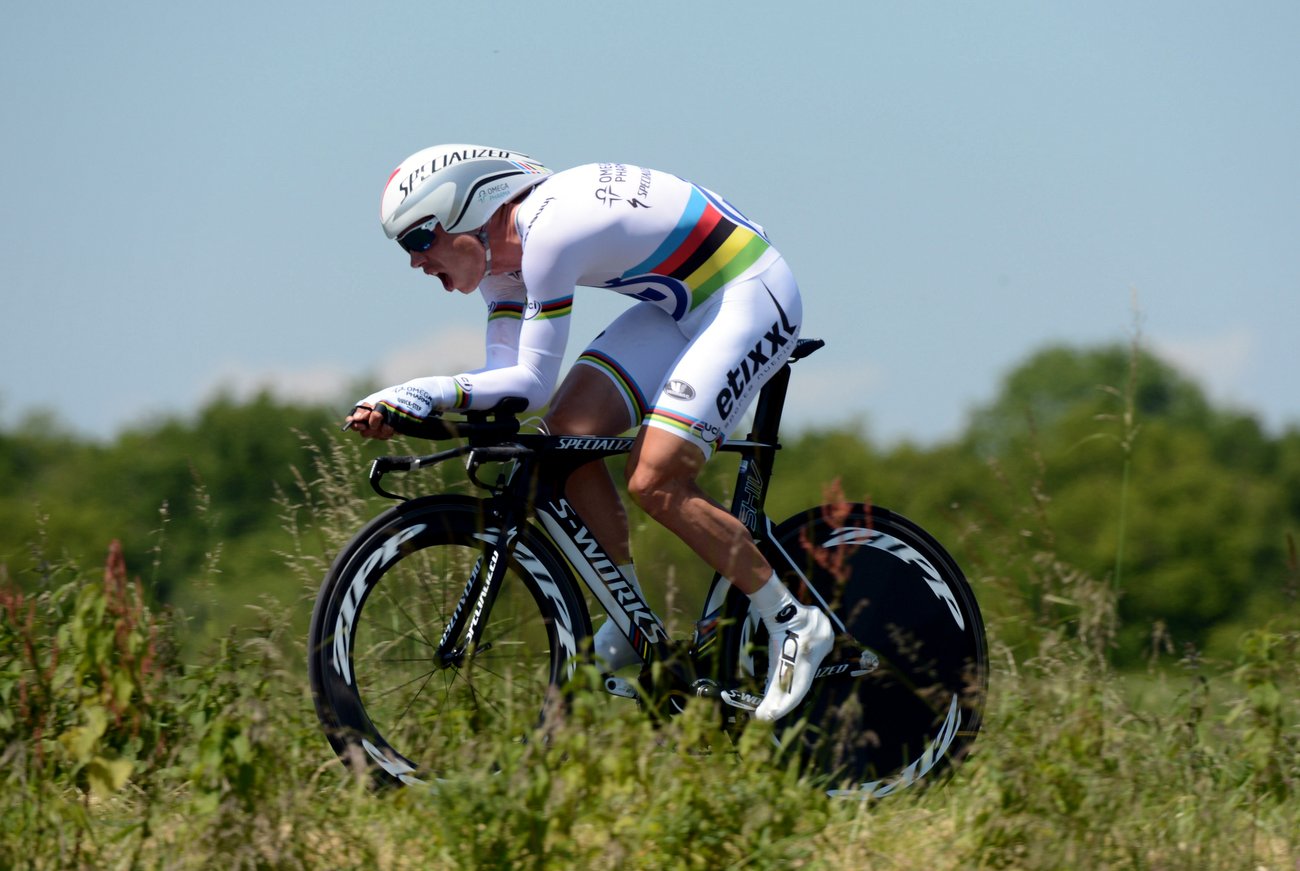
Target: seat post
(770, 406)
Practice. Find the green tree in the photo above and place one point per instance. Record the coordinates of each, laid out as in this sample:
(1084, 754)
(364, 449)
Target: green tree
(1097, 463)
(1142, 482)
(1060, 382)
(186, 497)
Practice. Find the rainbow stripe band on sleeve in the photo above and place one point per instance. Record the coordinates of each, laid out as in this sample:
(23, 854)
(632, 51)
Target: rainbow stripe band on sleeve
(398, 411)
(462, 396)
(506, 309)
(559, 307)
(706, 250)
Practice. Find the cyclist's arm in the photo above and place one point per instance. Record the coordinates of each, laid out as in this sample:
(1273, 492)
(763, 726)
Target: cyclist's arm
(525, 348)
(535, 369)
(524, 364)
(506, 300)
(550, 271)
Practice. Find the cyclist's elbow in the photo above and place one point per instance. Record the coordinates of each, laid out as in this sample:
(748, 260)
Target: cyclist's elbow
(524, 382)
(537, 394)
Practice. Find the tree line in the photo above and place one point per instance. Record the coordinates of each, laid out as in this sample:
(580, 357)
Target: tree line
(1093, 470)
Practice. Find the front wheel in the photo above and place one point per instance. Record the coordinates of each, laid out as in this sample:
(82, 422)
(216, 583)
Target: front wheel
(901, 696)
(393, 694)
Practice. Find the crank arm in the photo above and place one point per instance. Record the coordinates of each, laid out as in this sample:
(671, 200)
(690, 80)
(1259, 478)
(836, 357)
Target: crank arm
(865, 664)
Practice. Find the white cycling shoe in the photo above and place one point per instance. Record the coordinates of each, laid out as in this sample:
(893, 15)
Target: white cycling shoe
(800, 638)
(612, 649)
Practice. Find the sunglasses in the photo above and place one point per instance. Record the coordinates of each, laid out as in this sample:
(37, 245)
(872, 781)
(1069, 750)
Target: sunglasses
(419, 238)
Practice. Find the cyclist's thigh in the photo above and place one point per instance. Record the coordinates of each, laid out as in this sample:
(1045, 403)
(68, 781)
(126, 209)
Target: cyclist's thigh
(588, 403)
(737, 341)
(634, 352)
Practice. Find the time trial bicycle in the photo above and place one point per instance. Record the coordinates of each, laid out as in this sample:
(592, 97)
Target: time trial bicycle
(450, 605)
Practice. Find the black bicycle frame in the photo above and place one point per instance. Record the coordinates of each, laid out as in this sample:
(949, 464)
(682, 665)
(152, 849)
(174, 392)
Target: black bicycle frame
(526, 490)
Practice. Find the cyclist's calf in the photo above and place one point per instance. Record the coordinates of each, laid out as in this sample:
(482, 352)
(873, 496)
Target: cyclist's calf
(661, 473)
(661, 479)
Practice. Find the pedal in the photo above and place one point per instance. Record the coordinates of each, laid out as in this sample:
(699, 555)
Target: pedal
(863, 665)
(867, 663)
(709, 689)
(620, 686)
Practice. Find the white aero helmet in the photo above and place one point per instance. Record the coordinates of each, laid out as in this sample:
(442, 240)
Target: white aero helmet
(459, 185)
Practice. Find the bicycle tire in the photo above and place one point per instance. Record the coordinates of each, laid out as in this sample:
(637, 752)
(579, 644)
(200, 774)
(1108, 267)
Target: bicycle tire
(386, 707)
(895, 592)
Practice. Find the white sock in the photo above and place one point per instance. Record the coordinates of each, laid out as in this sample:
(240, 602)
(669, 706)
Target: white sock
(629, 571)
(609, 644)
(771, 598)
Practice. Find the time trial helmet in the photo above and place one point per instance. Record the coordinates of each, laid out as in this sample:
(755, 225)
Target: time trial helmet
(459, 185)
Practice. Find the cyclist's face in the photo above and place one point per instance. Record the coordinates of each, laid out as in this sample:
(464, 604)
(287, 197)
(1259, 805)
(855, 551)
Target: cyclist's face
(455, 259)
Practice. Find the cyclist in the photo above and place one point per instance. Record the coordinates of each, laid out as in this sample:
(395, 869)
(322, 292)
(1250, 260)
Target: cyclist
(716, 313)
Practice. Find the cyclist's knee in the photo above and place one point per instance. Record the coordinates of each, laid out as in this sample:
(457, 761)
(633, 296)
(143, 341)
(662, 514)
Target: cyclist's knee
(561, 420)
(661, 474)
(655, 493)
(572, 418)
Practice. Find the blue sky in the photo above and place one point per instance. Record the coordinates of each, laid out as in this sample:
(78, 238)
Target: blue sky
(190, 191)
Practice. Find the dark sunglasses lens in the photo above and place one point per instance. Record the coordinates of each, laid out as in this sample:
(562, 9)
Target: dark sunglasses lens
(417, 240)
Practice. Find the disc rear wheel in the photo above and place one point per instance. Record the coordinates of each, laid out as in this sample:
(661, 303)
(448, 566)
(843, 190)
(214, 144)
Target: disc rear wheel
(901, 696)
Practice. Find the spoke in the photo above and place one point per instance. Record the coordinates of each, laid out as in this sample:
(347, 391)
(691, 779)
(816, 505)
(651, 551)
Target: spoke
(398, 637)
(437, 593)
(479, 697)
(418, 693)
(422, 676)
(484, 700)
(409, 619)
(497, 666)
(401, 609)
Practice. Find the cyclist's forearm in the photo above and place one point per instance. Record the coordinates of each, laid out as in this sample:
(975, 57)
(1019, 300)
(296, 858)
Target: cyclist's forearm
(525, 379)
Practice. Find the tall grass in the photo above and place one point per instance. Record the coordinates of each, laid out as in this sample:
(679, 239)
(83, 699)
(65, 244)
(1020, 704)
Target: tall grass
(114, 753)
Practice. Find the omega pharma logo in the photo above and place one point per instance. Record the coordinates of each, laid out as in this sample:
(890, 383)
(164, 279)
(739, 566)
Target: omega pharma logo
(496, 190)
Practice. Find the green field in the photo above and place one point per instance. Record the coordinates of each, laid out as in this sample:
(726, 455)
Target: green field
(1132, 549)
(118, 755)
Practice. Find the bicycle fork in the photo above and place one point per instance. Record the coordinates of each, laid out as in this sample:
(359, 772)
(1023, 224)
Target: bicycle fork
(499, 536)
(481, 590)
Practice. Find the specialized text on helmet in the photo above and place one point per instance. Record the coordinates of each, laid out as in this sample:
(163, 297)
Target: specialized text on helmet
(442, 161)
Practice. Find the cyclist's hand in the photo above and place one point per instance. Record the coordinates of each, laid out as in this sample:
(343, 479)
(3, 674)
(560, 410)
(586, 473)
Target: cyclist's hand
(369, 422)
(414, 403)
